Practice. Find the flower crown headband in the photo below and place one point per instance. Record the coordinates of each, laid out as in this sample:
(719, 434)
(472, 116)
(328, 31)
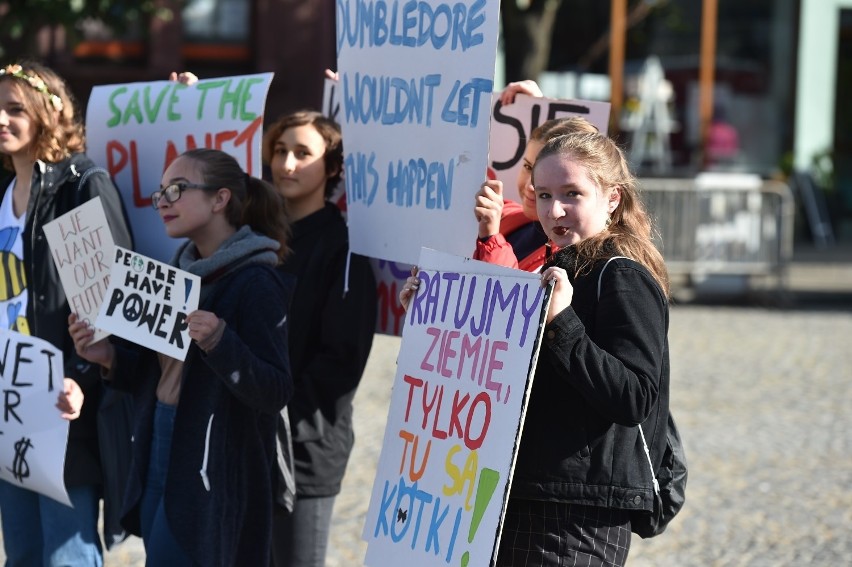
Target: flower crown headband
(35, 82)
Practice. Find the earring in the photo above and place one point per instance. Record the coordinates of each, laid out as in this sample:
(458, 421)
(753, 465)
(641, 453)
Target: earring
(608, 221)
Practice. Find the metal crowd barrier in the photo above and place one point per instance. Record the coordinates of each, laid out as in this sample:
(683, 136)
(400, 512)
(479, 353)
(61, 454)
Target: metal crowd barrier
(721, 232)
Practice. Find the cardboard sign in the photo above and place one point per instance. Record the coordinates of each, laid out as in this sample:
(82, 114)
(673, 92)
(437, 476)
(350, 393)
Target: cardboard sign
(468, 353)
(82, 247)
(415, 89)
(510, 128)
(512, 125)
(33, 436)
(147, 303)
(136, 130)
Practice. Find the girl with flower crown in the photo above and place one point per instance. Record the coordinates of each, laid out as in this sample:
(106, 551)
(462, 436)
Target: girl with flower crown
(42, 144)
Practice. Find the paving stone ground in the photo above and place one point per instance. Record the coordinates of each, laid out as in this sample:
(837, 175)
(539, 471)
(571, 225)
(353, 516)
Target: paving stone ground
(762, 397)
(762, 400)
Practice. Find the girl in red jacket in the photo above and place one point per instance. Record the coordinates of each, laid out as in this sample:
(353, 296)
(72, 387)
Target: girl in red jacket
(509, 232)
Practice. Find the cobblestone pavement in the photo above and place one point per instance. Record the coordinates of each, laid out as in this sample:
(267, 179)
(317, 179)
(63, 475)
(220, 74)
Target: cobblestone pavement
(760, 395)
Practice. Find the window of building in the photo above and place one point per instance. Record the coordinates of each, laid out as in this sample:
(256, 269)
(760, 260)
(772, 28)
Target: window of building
(216, 20)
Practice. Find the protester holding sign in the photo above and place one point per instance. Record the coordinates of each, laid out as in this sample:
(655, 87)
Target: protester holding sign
(509, 232)
(603, 367)
(42, 141)
(201, 487)
(333, 319)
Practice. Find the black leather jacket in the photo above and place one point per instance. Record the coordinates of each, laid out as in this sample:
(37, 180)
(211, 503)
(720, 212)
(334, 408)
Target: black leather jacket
(55, 191)
(603, 369)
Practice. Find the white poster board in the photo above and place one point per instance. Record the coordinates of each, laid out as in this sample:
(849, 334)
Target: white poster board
(415, 90)
(511, 126)
(135, 130)
(33, 436)
(464, 370)
(82, 248)
(147, 303)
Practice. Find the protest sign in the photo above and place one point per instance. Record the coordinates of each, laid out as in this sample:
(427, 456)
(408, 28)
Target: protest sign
(510, 129)
(135, 130)
(33, 436)
(415, 89)
(81, 245)
(511, 126)
(147, 303)
(464, 370)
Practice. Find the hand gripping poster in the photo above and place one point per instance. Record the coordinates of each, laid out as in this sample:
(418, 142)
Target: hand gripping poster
(469, 346)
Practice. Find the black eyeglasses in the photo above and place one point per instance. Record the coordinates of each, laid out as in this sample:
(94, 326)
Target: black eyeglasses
(172, 192)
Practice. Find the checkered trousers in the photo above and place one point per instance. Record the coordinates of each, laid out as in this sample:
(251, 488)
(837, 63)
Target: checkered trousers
(555, 534)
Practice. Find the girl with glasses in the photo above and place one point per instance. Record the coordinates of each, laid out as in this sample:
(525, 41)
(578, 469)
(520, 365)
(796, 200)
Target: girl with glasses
(200, 490)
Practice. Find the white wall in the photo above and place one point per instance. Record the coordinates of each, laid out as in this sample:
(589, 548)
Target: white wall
(816, 81)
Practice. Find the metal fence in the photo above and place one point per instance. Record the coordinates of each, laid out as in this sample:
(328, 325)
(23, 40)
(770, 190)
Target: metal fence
(722, 231)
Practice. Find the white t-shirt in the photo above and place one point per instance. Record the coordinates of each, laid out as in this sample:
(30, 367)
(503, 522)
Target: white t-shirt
(13, 281)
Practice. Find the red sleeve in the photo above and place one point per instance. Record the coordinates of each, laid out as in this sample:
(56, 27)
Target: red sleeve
(496, 250)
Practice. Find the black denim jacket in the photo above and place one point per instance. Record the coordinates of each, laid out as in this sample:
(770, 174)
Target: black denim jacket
(603, 369)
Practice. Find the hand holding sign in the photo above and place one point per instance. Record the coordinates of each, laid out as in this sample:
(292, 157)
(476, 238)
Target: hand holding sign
(527, 87)
(70, 401)
(563, 291)
(410, 288)
(489, 208)
(202, 327)
(82, 333)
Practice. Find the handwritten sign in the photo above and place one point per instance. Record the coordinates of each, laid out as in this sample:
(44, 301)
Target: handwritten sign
(464, 372)
(147, 303)
(510, 128)
(33, 437)
(81, 245)
(512, 125)
(136, 130)
(415, 90)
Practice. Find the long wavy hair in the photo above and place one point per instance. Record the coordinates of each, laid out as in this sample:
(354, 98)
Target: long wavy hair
(630, 232)
(58, 134)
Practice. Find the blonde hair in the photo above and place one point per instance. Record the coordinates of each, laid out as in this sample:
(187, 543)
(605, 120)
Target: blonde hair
(58, 133)
(561, 127)
(630, 232)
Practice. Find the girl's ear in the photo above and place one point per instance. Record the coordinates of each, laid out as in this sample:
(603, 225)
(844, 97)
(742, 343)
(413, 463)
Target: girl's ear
(614, 199)
(221, 200)
(335, 170)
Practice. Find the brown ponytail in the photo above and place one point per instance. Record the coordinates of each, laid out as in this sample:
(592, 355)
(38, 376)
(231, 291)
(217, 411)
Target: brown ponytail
(254, 202)
(263, 211)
